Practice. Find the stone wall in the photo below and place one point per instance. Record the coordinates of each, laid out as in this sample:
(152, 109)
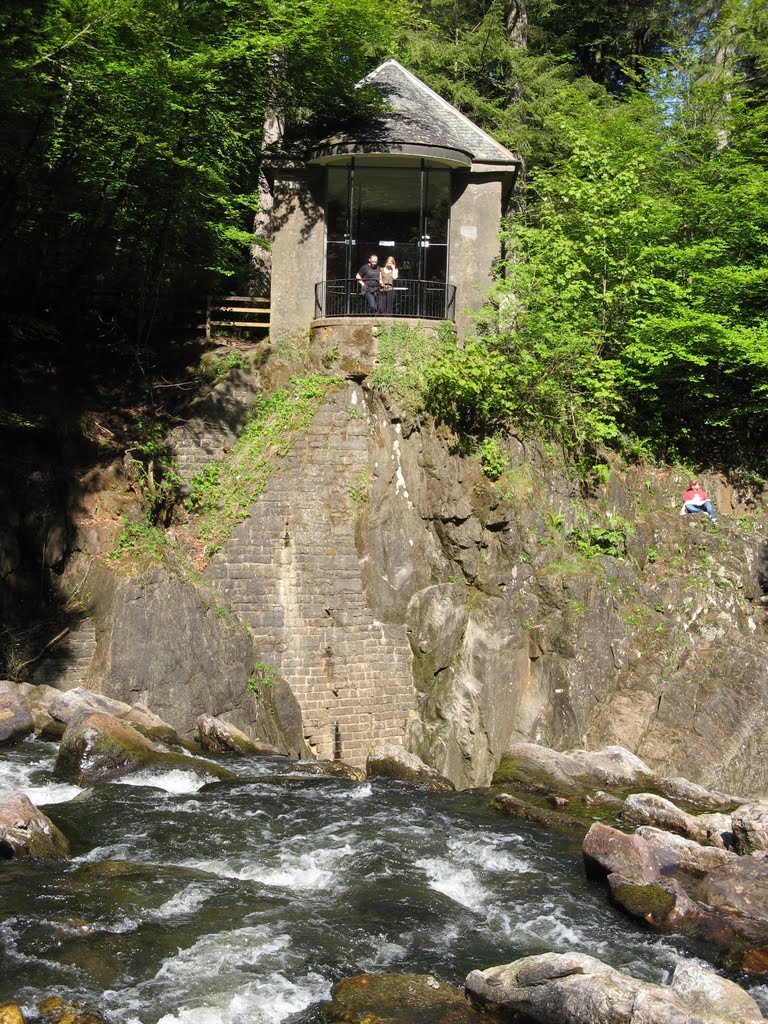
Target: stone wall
(67, 663)
(213, 423)
(474, 243)
(159, 639)
(293, 572)
(297, 251)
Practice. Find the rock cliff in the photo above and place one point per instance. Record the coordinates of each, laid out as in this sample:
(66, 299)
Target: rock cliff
(522, 630)
(404, 596)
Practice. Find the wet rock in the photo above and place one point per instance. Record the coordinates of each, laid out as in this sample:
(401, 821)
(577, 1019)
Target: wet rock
(195, 662)
(614, 767)
(604, 799)
(398, 999)
(392, 762)
(704, 991)
(557, 821)
(151, 725)
(38, 697)
(16, 719)
(652, 902)
(97, 748)
(677, 886)
(72, 704)
(333, 769)
(27, 834)
(155, 873)
(217, 735)
(56, 1011)
(572, 988)
(540, 769)
(722, 879)
(10, 1013)
(649, 809)
(607, 851)
(665, 905)
(749, 825)
(717, 829)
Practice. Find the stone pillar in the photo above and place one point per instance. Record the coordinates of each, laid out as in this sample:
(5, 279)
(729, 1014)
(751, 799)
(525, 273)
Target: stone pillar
(474, 242)
(297, 253)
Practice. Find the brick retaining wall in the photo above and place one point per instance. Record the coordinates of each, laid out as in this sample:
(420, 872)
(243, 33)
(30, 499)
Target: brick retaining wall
(292, 571)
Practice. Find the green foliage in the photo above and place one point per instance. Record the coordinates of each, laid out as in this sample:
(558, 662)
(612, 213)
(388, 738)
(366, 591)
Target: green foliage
(358, 491)
(629, 309)
(517, 483)
(156, 470)
(216, 369)
(599, 474)
(494, 457)
(263, 676)
(15, 421)
(204, 490)
(133, 133)
(406, 355)
(221, 495)
(138, 546)
(599, 540)
(14, 651)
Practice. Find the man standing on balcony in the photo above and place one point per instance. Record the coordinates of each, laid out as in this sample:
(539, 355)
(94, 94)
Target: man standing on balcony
(368, 276)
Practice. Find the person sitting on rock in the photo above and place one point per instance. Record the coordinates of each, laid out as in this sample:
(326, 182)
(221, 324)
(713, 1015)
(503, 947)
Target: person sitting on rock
(695, 500)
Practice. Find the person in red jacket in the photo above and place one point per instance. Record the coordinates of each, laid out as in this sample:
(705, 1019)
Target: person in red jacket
(695, 500)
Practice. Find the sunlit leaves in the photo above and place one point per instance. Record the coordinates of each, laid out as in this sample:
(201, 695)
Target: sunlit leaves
(134, 126)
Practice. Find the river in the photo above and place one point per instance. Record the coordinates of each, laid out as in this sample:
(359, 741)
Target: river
(246, 901)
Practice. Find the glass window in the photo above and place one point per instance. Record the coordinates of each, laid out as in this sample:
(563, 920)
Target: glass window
(437, 208)
(395, 211)
(387, 205)
(337, 216)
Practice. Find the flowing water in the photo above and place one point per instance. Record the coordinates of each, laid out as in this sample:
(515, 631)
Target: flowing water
(245, 901)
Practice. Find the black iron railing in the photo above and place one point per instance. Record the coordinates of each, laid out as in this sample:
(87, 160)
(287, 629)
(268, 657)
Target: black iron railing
(429, 300)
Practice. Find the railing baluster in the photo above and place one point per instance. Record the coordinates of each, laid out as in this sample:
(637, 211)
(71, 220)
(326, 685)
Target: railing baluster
(430, 300)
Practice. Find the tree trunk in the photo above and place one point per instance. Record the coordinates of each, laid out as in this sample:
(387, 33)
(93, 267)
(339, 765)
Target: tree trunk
(516, 21)
(261, 253)
(723, 56)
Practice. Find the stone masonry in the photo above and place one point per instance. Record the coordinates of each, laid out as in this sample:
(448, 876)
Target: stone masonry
(214, 423)
(66, 665)
(292, 571)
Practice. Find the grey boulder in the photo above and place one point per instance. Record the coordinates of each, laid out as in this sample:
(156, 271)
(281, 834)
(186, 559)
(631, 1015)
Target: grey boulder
(28, 834)
(572, 988)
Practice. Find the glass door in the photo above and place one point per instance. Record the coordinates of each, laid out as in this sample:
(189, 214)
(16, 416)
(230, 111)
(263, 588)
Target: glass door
(339, 242)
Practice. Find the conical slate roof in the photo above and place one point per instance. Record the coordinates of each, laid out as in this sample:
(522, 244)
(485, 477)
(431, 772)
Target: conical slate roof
(418, 122)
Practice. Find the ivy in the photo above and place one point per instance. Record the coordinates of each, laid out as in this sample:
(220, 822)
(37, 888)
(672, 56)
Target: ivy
(221, 495)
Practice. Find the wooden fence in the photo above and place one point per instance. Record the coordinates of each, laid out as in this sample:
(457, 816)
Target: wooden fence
(240, 311)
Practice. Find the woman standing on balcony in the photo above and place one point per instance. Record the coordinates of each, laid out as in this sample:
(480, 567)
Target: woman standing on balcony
(387, 278)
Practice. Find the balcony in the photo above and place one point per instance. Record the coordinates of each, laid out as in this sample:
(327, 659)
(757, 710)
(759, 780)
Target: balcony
(410, 298)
